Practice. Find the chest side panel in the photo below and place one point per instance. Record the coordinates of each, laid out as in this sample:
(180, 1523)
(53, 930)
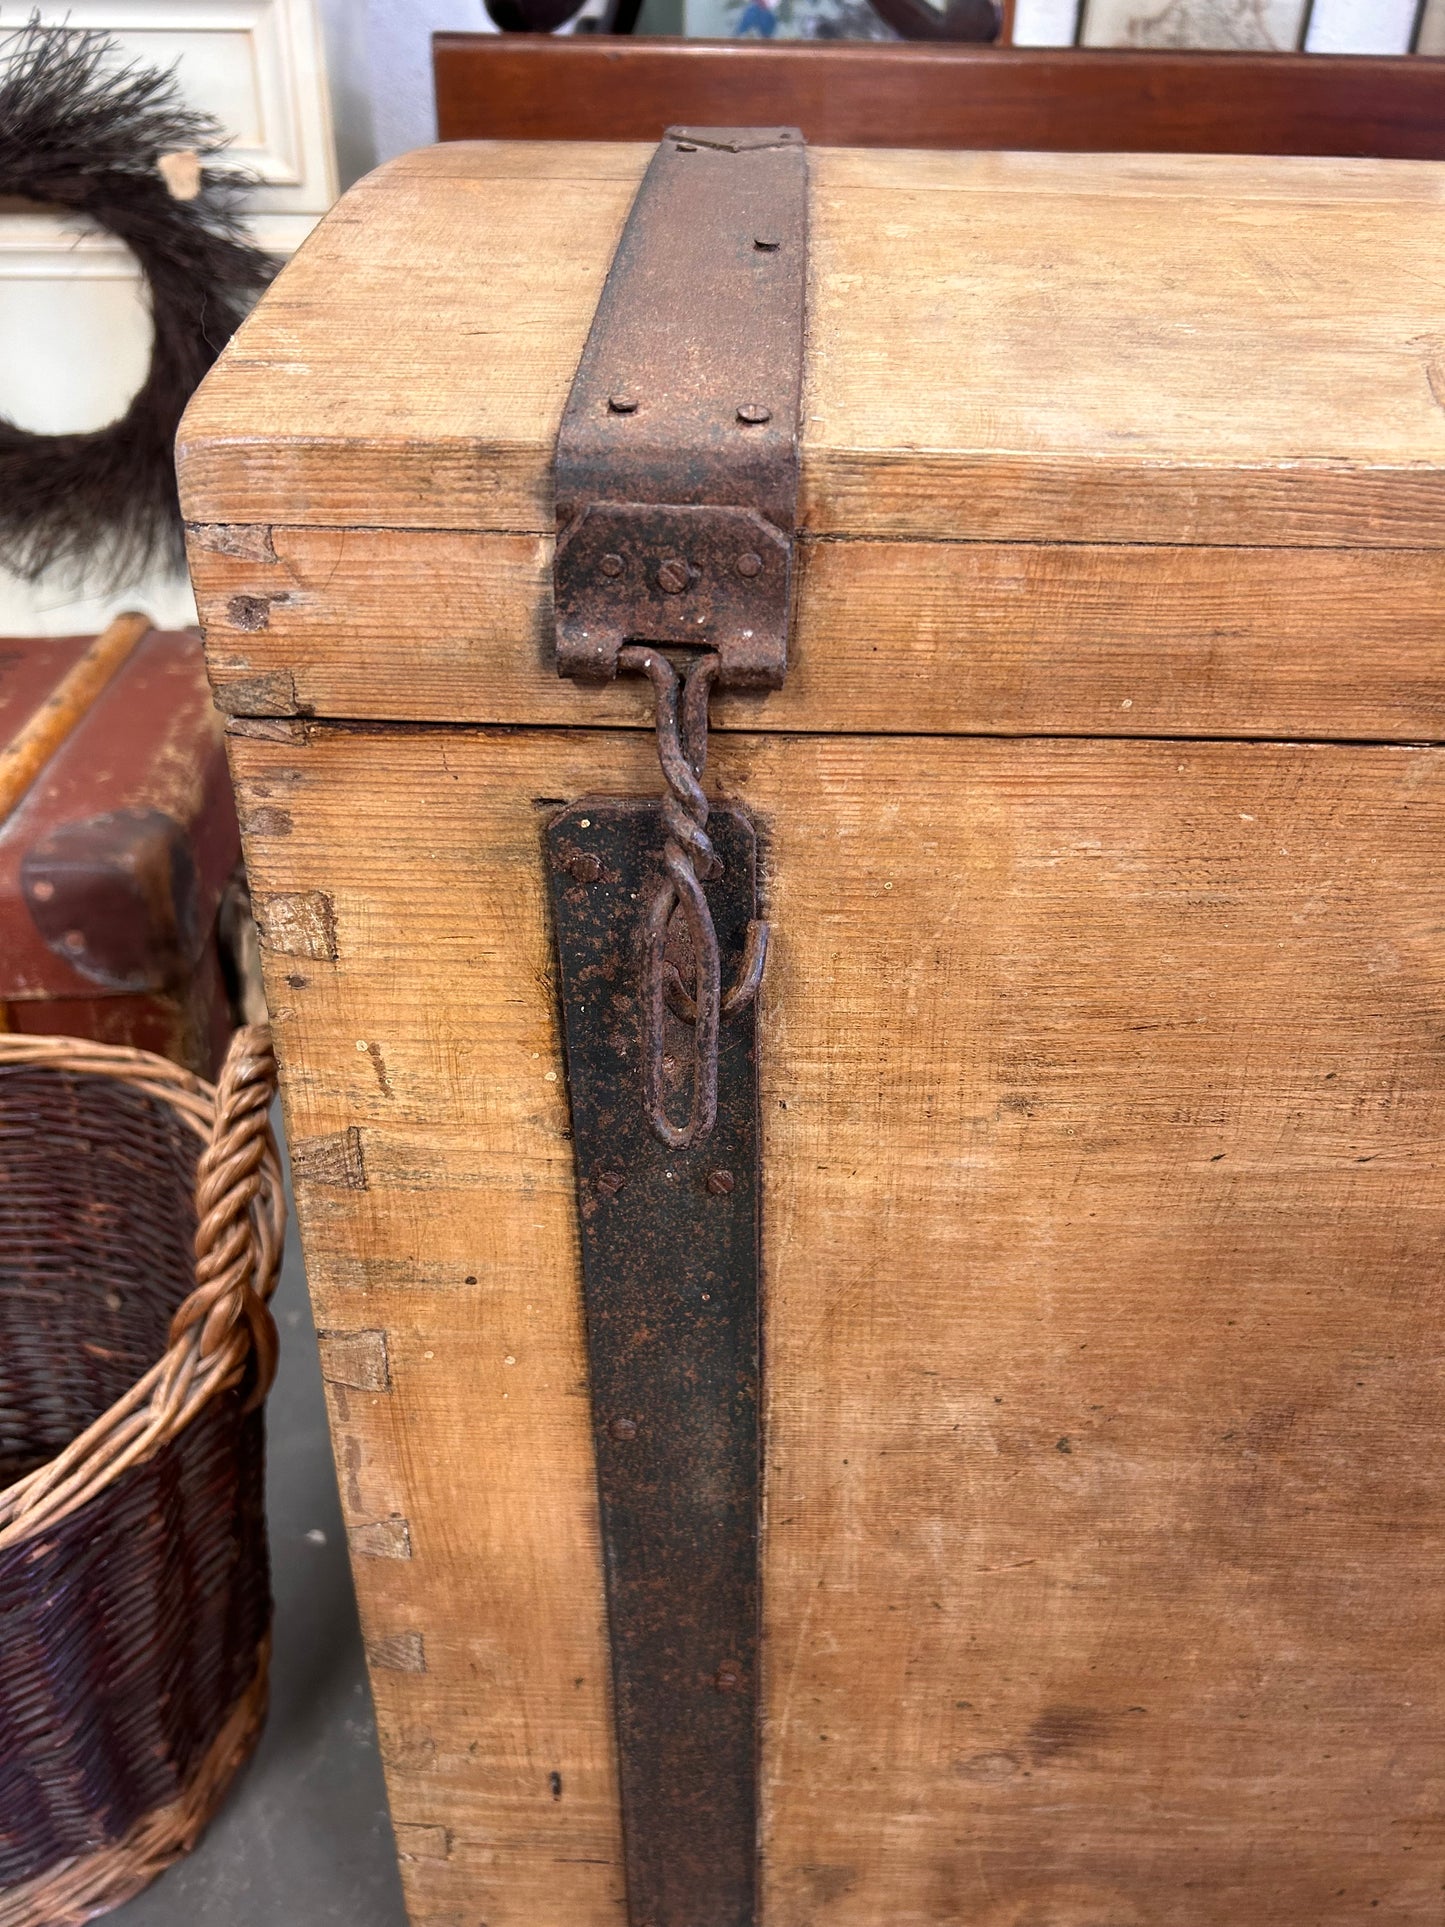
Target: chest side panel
(1101, 1108)
(893, 637)
(399, 892)
(1102, 1141)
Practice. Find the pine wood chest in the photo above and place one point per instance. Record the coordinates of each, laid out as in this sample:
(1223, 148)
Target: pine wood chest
(1099, 1054)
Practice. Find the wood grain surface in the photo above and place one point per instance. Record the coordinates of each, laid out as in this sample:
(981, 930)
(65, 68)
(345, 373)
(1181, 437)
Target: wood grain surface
(1103, 1105)
(890, 637)
(1003, 347)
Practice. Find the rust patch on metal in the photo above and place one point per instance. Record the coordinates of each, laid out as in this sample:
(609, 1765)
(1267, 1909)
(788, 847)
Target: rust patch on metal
(688, 861)
(670, 1278)
(677, 461)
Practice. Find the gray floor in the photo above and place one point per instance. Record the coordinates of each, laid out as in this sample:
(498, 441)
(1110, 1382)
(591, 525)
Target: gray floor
(304, 1837)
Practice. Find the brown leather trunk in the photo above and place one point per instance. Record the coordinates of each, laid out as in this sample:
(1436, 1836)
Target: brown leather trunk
(120, 896)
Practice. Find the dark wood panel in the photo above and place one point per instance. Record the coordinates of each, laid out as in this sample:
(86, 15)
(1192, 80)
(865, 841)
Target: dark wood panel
(910, 95)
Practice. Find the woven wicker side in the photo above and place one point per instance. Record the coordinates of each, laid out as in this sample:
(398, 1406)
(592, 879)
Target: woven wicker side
(137, 1250)
(99, 1222)
(128, 1631)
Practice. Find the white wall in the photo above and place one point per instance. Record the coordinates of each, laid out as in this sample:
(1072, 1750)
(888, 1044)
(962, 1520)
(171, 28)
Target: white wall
(379, 55)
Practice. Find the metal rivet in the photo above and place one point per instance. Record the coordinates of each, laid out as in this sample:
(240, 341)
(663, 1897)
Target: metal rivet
(766, 245)
(673, 577)
(749, 564)
(728, 1678)
(754, 414)
(73, 940)
(622, 404)
(611, 565)
(686, 147)
(585, 868)
(42, 890)
(720, 1183)
(609, 1183)
(623, 1428)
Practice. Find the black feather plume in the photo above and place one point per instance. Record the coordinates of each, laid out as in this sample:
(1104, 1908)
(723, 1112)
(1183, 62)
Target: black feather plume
(82, 132)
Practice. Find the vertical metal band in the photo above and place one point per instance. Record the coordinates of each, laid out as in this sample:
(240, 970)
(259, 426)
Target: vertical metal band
(670, 1270)
(677, 475)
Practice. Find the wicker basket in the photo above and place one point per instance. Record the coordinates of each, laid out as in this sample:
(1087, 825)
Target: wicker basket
(141, 1219)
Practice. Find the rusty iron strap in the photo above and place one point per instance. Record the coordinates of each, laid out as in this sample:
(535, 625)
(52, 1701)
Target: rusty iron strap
(670, 1281)
(677, 459)
(677, 507)
(676, 490)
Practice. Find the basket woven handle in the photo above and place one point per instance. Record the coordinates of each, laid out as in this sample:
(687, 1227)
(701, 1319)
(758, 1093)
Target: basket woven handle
(228, 1302)
(223, 1325)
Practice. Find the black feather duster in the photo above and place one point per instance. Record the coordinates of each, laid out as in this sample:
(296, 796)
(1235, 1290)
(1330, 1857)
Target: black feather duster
(80, 131)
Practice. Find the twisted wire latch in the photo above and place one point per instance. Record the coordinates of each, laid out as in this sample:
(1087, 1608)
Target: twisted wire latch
(688, 861)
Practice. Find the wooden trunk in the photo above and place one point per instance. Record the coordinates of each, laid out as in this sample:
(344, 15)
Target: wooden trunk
(1100, 1047)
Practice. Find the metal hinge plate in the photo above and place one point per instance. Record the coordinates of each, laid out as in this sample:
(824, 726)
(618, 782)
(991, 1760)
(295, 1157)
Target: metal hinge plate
(677, 459)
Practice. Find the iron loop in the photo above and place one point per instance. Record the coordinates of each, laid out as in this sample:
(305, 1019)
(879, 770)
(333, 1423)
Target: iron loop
(689, 860)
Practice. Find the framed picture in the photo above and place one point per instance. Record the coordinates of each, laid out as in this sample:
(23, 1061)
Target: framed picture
(784, 20)
(1241, 26)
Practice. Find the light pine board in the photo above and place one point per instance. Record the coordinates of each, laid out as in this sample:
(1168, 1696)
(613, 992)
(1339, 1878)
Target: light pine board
(1005, 347)
(1102, 1099)
(1100, 638)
